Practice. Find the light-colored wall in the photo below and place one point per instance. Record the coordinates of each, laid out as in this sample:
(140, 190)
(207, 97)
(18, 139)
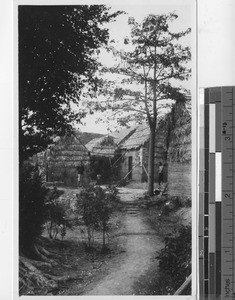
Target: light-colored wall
(137, 172)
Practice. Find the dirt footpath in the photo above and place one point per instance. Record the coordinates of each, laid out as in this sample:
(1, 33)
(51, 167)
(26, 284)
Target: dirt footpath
(139, 243)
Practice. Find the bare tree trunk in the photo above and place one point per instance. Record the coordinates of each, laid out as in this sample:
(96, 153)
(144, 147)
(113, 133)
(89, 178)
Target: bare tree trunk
(152, 131)
(151, 161)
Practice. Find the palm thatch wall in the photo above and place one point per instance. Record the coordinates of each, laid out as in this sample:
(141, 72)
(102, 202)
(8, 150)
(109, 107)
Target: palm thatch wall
(64, 157)
(179, 151)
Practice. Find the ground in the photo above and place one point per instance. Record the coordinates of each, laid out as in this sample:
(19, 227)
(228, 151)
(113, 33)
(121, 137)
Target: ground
(130, 266)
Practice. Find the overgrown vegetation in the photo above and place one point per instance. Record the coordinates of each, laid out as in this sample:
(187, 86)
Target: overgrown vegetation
(96, 204)
(167, 205)
(57, 215)
(175, 260)
(32, 195)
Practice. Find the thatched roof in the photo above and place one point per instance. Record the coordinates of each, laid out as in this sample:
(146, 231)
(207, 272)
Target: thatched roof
(138, 138)
(86, 137)
(122, 135)
(67, 151)
(104, 146)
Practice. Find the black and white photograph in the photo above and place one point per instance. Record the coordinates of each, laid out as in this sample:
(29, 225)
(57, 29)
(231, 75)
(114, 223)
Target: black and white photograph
(105, 148)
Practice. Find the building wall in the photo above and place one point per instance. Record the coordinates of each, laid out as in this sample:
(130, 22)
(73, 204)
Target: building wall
(179, 179)
(137, 156)
(139, 174)
(63, 160)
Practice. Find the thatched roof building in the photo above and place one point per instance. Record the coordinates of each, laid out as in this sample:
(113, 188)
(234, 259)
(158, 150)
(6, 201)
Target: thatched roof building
(61, 159)
(103, 146)
(68, 151)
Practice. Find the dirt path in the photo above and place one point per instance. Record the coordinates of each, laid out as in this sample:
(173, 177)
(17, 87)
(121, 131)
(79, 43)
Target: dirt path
(140, 244)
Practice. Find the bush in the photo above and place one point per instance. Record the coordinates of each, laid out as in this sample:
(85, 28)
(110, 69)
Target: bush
(96, 205)
(32, 194)
(57, 220)
(175, 260)
(172, 204)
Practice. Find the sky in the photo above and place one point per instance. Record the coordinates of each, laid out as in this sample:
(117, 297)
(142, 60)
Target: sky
(119, 29)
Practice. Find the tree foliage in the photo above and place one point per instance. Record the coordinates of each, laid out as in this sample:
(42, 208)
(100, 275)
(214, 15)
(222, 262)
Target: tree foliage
(32, 195)
(95, 205)
(153, 59)
(58, 48)
(147, 71)
(175, 260)
(57, 212)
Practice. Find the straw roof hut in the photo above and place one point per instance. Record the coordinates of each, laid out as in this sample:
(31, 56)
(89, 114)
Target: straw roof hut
(134, 152)
(103, 146)
(63, 158)
(172, 148)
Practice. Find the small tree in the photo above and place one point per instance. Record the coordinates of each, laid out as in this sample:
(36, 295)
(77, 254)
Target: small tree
(96, 205)
(87, 207)
(57, 220)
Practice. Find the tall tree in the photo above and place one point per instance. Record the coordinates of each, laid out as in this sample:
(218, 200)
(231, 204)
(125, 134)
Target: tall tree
(58, 48)
(148, 71)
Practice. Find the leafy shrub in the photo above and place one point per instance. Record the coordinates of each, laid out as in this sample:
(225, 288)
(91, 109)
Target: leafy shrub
(169, 205)
(187, 202)
(175, 260)
(32, 194)
(57, 220)
(96, 205)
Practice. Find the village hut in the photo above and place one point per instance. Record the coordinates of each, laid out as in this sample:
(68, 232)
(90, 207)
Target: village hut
(179, 151)
(63, 159)
(134, 153)
(103, 146)
(172, 149)
(103, 152)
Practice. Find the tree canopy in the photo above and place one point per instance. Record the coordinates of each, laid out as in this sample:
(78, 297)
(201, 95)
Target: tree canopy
(151, 64)
(58, 48)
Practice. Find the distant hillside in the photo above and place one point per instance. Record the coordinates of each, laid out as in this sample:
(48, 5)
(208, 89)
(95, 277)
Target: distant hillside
(86, 137)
